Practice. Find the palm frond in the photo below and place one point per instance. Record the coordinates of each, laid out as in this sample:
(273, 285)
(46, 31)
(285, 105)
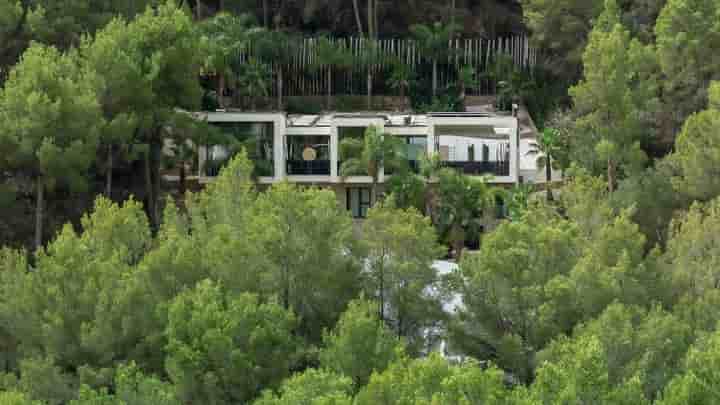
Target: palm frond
(353, 167)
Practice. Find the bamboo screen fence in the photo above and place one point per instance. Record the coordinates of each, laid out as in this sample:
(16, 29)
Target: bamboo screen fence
(302, 78)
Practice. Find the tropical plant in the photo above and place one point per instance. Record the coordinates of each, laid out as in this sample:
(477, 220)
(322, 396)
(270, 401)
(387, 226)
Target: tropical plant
(255, 80)
(369, 155)
(467, 77)
(517, 200)
(434, 45)
(224, 36)
(462, 202)
(331, 56)
(369, 57)
(401, 79)
(545, 148)
(277, 49)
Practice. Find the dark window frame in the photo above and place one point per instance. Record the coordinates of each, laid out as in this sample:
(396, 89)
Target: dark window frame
(363, 205)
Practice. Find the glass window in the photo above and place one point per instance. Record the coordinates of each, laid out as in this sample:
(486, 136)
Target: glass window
(308, 155)
(257, 139)
(358, 201)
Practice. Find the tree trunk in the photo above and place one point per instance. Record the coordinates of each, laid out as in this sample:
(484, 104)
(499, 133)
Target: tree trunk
(458, 241)
(182, 186)
(109, 173)
(156, 157)
(434, 78)
(280, 89)
(286, 284)
(356, 9)
(381, 288)
(39, 203)
(376, 26)
(329, 89)
(370, 20)
(452, 17)
(369, 87)
(220, 90)
(149, 188)
(611, 175)
(198, 10)
(548, 178)
(266, 20)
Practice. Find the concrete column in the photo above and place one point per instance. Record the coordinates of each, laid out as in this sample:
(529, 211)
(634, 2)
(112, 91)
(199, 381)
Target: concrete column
(334, 153)
(515, 152)
(430, 136)
(279, 147)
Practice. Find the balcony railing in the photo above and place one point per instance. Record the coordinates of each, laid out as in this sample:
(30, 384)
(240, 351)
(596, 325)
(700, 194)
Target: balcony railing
(501, 168)
(308, 167)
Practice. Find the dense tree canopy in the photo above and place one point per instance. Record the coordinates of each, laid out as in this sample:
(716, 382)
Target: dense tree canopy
(237, 293)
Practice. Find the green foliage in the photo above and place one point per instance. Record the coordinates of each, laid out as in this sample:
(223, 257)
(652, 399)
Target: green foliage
(653, 200)
(561, 27)
(131, 386)
(360, 344)
(49, 120)
(698, 152)
(518, 268)
(223, 37)
(399, 247)
(224, 349)
(631, 346)
(433, 380)
(433, 44)
(617, 89)
(255, 79)
(408, 189)
(312, 387)
(307, 240)
(15, 398)
(462, 202)
(687, 46)
(43, 381)
(699, 378)
(62, 308)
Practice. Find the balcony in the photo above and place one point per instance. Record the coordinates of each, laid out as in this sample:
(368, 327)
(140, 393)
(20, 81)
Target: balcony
(308, 155)
(501, 168)
(308, 167)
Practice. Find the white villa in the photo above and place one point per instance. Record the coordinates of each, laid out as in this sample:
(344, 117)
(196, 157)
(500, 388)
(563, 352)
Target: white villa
(305, 148)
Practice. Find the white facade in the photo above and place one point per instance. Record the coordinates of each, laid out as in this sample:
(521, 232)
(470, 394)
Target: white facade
(476, 143)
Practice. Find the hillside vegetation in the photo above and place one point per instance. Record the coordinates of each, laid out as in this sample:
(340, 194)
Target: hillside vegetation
(602, 291)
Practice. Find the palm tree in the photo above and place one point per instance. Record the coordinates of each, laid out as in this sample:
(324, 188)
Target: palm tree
(255, 80)
(467, 77)
(330, 55)
(369, 57)
(433, 41)
(546, 149)
(401, 78)
(277, 48)
(372, 153)
(462, 201)
(224, 36)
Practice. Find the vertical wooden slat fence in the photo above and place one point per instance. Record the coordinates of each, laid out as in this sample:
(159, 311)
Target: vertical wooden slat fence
(303, 78)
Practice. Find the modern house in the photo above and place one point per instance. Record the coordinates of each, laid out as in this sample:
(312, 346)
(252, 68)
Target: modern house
(305, 148)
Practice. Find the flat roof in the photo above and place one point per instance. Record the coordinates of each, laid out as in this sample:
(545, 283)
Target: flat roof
(325, 120)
